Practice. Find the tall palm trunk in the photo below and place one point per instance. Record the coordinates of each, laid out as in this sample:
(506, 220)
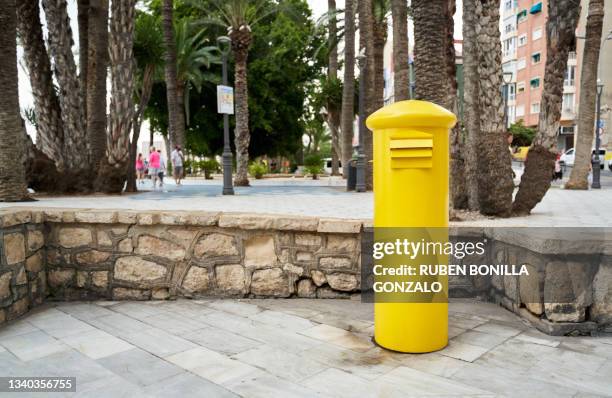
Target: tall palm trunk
(112, 173)
(380, 37)
(176, 123)
(60, 46)
(83, 22)
(471, 105)
(588, 86)
(401, 73)
(366, 42)
(49, 131)
(12, 152)
(241, 41)
(96, 79)
(495, 183)
(333, 117)
(560, 32)
(348, 87)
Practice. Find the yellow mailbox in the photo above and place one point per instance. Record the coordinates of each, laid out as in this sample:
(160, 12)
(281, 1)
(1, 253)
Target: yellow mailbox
(411, 162)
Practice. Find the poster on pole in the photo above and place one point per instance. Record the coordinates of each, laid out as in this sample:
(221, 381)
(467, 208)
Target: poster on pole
(225, 99)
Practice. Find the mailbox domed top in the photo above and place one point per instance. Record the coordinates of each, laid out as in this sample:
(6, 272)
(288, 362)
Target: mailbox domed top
(411, 113)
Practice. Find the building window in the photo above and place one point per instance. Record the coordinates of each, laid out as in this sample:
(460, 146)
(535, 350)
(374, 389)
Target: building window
(521, 64)
(536, 58)
(568, 103)
(520, 87)
(508, 5)
(522, 40)
(570, 74)
(509, 47)
(535, 107)
(521, 16)
(520, 111)
(566, 130)
(535, 82)
(536, 34)
(511, 92)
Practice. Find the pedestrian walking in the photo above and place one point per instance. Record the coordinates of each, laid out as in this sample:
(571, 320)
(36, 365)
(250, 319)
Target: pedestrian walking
(162, 168)
(177, 164)
(153, 165)
(140, 169)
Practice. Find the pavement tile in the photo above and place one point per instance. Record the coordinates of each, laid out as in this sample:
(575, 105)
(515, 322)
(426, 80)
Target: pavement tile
(140, 367)
(235, 307)
(267, 386)
(463, 351)
(136, 309)
(16, 328)
(220, 340)
(173, 323)
(432, 363)
(485, 340)
(158, 342)
(499, 329)
(537, 337)
(84, 311)
(339, 337)
(119, 324)
(340, 384)
(33, 345)
(186, 385)
(282, 320)
(59, 324)
(114, 386)
(96, 343)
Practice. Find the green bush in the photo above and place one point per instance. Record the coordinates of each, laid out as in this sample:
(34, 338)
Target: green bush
(521, 135)
(313, 164)
(209, 166)
(257, 170)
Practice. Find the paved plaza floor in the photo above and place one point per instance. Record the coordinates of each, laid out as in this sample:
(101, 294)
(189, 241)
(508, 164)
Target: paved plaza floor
(292, 348)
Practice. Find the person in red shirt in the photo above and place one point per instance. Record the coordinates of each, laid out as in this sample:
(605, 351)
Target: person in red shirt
(140, 169)
(153, 165)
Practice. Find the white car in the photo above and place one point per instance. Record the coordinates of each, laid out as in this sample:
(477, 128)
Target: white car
(569, 156)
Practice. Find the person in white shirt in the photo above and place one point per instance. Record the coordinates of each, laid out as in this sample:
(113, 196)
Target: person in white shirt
(162, 168)
(177, 164)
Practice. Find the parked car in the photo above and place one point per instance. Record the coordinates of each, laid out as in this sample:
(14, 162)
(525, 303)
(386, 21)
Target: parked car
(567, 159)
(328, 165)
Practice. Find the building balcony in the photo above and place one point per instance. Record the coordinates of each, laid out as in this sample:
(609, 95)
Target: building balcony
(572, 58)
(568, 114)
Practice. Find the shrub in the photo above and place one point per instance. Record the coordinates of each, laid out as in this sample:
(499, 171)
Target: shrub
(257, 170)
(209, 166)
(313, 164)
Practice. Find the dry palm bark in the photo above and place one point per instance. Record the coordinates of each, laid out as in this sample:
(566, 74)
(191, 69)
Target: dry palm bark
(401, 72)
(560, 32)
(366, 43)
(112, 173)
(379, 33)
(495, 185)
(348, 86)
(176, 121)
(333, 115)
(60, 46)
(49, 129)
(96, 79)
(588, 86)
(83, 23)
(12, 152)
(241, 41)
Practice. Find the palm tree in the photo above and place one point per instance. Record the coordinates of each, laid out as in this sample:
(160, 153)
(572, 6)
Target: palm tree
(111, 176)
(347, 116)
(176, 122)
(49, 127)
(366, 44)
(401, 73)
(560, 32)
(380, 13)
(238, 17)
(60, 45)
(495, 185)
(83, 24)
(96, 78)
(333, 115)
(588, 84)
(12, 173)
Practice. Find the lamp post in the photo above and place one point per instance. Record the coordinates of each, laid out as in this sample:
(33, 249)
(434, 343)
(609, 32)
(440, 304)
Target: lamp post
(228, 188)
(360, 166)
(595, 162)
(507, 80)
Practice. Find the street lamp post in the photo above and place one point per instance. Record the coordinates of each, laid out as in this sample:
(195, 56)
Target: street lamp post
(595, 162)
(360, 166)
(507, 80)
(228, 188)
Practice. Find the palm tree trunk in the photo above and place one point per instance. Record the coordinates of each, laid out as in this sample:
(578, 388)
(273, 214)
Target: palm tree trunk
(96, 79)
(333, 118)
(401, 73)
(241, 40)
(347, 116)
(83, 22)
(495, 185)
(366, 42)
(176, 128)
(112, 173)
(12, 153)
(380, 37)
(540, 164)
(49, 131)
(588, 86)
(60, 46)
(471, 105)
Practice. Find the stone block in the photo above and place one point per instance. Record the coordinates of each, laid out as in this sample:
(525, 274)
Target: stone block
(19, 307)
(121, 293)
(96, 216)
(203, 218)
(21, 278)
(308, 240)
(103, 238)
(148, 218)
(127, 217)
(160, 294)
(81, 278)
(511, 287)
(343, 282)
(306, 289)
(215, 245)
(342, 243)
(136, 269)
(601, 310)
(335, 263)
(12, 217)
(303, 257)
(99, 279)
(530, 290)
(70, 237)
(564, 312)
(173, 218)
(285, 256)
(567, 291)
(339, 226)
(92, 257)
(259, 251)
(36, 240)
(153, 246)
(125, 245)
(293, 269)
(2, 316)
(327, 292)
(197, 280)
(34, 263)
(271, 282)
(230, 278)
(60, 277)
(295, 223)
(318, 277)
(5, 285)
(118, 230)
(14, 248)
(247, 221)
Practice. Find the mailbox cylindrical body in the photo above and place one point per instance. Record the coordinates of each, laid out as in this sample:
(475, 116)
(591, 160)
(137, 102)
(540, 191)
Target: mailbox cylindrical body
(411, 178)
